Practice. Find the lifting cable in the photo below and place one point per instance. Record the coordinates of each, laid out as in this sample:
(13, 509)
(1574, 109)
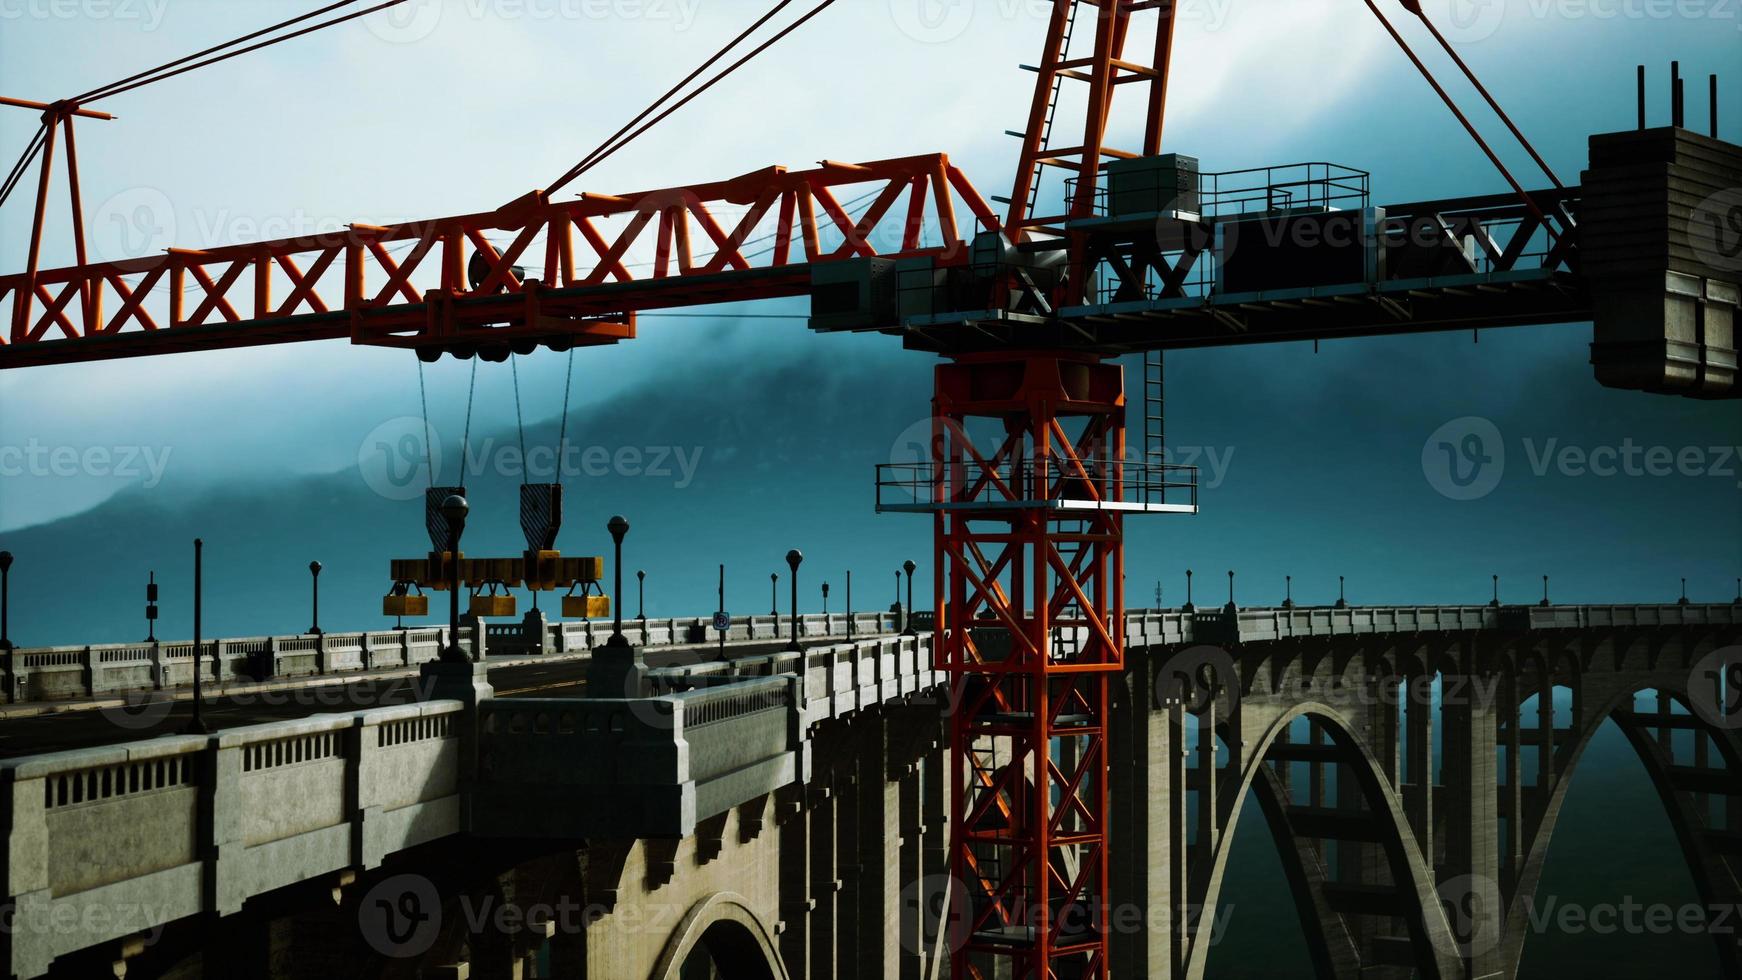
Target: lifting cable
(182, 65)
(1414, 7)
(562, 439)
(428, 433)
(519, 421)
(428, 443)
(1427, 73)
(587, 160)
(601, 155)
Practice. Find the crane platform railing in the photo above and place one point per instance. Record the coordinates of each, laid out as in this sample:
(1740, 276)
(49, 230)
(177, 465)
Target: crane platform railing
(1064, 485)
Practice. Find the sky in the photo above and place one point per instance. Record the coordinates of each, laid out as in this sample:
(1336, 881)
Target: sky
(465, 104)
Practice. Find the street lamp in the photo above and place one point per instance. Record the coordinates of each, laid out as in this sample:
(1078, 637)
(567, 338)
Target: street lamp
(641, 596)
(1495, 602)
(825, 598)
(774, 596)
(1288, 598)
(793, 558)
(151, 608)
(454, 510)
(1545, 603)
(850, 603)
(314, 574)
(197, 724)
(5, 581)
(908, 566)
(1190, 606)
(618, 526)
(1684, 600)
(1342, 593)
(898, 608)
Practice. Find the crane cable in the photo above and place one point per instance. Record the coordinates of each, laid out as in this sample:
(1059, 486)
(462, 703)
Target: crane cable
(562, 439)
(1494, 158)
(586, 161)
(1414, 7)
(598, 157)
(181, 66)
(428, 432)
(519, 420)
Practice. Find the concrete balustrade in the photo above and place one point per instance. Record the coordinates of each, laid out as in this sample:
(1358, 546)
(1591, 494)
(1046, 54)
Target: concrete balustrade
(64, 673)
(109, 842)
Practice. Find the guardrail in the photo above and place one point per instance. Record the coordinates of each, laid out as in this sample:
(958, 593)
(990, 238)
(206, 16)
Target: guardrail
(121, 839)
(1159, 627)
(708, 737)
(66, 672)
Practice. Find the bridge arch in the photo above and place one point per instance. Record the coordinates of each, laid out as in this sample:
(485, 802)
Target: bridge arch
(1686, 774)
(741, 946)
(1322, 901)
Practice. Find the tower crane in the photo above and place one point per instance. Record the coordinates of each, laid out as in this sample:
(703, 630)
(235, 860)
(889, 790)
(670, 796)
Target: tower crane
(1030, 477)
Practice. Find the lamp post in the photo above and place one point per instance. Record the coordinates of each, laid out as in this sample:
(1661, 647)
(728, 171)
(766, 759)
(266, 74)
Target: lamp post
(1189, 606)
(197, 724)
(314, 576)
(1545, 602)
(641, 595)
(5, 582)
(774, 596)
(1231, 608)
(849, 604)
(1288, 592)
(618, 526)
(1684, 600)
(151, 607)
(793, 558)
(1342, 593)
(908, 566)
(899, 611)
(825, 598)
(454, 510)
(1495, 602)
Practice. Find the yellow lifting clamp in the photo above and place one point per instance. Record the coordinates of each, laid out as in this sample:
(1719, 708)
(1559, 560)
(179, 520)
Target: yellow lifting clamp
(486, 605)
(400, 602)
(540, 568)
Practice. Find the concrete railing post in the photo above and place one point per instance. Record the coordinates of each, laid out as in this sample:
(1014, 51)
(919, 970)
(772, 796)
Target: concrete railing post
(220, 839)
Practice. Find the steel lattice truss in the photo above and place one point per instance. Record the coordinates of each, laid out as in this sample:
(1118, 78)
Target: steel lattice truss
(1030, 598)
(532, 272)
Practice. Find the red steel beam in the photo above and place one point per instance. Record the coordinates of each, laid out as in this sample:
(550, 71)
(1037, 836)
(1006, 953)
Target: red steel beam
(410, 284)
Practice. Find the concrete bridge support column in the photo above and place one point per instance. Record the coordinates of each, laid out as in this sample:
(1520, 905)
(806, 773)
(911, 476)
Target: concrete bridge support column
(793, 823)
(876, 885)
(935, 804)
(497, 951)
(1148, 824)
(1470, 876)
(825, 887)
